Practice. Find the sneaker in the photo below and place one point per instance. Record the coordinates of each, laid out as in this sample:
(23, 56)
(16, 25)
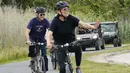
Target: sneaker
(78, 70)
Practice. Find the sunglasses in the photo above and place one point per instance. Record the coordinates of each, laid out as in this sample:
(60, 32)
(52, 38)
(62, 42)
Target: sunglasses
(41, 14)
(66, 9)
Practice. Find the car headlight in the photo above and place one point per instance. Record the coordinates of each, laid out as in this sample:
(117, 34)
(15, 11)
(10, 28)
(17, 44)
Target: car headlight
(78, 38)
(95, 37)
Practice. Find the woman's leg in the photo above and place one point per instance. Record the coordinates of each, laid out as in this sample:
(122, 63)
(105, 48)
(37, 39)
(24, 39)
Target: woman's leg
(78, 57)
(61, 60)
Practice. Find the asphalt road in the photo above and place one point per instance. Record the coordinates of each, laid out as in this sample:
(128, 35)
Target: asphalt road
(21, 67)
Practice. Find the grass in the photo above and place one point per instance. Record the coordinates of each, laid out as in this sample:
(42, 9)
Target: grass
(13, 23)
(93, 67)
(13, 54)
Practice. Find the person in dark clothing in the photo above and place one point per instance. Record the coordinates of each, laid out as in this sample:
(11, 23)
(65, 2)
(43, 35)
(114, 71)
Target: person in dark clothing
(35, 31)
(62, 30)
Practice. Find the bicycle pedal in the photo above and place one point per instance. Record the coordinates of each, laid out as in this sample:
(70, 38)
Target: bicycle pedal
(29, 65)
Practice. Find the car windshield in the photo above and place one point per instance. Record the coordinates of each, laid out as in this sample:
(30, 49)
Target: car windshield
(108, 27)
(87, 31)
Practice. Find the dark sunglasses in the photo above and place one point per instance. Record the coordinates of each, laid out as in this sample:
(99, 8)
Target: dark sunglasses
(41, 14)
(66, 9)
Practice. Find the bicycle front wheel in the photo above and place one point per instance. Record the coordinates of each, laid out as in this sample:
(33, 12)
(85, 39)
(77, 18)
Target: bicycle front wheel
(69, 68)
(53, 60)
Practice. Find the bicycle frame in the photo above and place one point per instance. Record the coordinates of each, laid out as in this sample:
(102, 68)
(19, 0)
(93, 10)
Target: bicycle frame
(77, 43)
(53, 59)
(68, 65)
(37, 63)
(69, 68)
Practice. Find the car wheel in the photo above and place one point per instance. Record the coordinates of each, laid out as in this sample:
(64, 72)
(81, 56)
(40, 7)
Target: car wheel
(119, 42)
(115, 42)
(103, 45)
(97, 45)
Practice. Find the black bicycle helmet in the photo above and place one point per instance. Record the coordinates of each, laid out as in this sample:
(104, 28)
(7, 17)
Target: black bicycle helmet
(61, 4)
(40, 10)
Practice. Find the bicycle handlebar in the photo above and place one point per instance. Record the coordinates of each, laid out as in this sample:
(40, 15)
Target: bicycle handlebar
(76, 43)
(37, 43)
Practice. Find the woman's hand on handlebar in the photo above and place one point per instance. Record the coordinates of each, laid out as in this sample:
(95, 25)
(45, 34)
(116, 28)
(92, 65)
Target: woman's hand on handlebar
(49, 46)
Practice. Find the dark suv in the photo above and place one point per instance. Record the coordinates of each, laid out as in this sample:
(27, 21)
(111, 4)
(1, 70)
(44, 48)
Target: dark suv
(111, 33)
(92, 37)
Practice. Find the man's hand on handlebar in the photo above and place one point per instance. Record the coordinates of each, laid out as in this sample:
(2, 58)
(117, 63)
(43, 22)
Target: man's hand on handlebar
(28, 42)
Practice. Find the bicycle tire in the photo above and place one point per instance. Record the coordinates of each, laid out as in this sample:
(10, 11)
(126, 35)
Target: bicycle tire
(53, 57)
(33, 66)
(69, 68)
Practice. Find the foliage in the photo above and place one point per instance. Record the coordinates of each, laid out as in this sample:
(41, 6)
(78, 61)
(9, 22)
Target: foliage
(85, 10)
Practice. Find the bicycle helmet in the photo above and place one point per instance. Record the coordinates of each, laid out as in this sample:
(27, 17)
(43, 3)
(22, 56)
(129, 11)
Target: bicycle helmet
(40, 10)
(61, 4)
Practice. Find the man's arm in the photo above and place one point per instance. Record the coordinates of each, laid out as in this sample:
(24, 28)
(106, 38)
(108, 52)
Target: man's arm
(88, 26)
(27, 36)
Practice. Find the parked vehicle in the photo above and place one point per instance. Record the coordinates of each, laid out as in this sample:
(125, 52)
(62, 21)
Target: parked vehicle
(111, 33)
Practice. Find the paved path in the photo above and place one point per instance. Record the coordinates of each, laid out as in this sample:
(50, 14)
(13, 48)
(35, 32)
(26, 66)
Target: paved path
(117, 57)
(21, 67)
(121, 58)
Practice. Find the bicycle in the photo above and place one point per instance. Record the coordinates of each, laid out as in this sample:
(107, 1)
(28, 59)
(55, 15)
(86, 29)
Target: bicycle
(37, 63)
(68, 64)
(53, 59)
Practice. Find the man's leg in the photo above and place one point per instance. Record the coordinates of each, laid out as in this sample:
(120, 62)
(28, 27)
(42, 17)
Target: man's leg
(45, 56)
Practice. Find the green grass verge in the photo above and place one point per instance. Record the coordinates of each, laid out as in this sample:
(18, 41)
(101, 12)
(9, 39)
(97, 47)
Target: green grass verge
(13, 54)
(93, 67)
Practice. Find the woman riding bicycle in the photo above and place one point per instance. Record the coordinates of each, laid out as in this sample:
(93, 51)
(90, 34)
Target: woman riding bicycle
(62, 29)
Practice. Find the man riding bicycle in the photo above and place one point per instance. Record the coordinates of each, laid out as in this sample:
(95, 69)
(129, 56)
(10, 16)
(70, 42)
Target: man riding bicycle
(63, 31)
(35, 32)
